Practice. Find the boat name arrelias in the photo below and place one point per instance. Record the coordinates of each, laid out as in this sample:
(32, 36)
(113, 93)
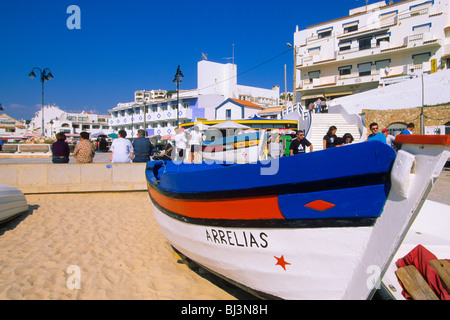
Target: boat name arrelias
(237, 238)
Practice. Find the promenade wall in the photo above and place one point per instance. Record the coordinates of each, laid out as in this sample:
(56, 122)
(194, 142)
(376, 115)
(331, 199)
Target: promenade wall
(60, 178)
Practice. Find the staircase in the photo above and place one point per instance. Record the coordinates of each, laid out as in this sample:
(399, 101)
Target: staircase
(321, 122)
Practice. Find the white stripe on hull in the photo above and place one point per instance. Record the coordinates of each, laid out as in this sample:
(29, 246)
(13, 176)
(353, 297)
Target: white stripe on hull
(321, 260)
(241, 155)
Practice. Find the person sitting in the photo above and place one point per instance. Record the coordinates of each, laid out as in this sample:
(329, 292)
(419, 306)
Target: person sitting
(121, 149)
(84, 151)
(142, 147)
(60, 149)
(348, 138)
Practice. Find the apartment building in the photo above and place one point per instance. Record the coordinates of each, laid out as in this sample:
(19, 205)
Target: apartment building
(57, 120)
(143, 95)
(375, 45)
(216, 82)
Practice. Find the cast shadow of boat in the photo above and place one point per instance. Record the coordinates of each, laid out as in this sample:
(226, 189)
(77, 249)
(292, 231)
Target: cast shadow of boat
(233, 289)
(14, 221)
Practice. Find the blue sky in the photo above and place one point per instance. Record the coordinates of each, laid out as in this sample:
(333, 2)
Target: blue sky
(131, 45)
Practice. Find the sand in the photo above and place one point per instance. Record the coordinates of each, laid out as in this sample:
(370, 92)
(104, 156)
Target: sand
(111, 240)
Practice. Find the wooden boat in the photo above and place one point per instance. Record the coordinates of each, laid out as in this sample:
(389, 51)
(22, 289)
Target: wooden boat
(321, 225)
(240, 148)
(12, 203)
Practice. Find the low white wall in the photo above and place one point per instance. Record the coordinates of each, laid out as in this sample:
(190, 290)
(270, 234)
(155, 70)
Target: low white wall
(93, 177)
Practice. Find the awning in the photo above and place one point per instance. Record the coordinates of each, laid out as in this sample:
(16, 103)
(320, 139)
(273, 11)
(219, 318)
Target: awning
(332, 94)
(313, 96)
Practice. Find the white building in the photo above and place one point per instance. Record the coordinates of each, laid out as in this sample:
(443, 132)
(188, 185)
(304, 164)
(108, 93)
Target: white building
(57, 120)
(141, 95)
(10, 128)
(374, 45)
(216, 83)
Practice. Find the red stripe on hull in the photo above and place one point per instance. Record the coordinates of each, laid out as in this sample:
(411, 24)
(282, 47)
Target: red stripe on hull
(237, 208)
(423, 139)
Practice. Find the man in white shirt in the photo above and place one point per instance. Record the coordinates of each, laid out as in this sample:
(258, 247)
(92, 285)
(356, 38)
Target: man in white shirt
(195, 142)
(180, 144)
(121, 149)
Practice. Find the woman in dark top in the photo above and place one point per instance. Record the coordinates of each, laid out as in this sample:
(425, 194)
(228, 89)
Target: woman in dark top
(60, 149)
(329, 140)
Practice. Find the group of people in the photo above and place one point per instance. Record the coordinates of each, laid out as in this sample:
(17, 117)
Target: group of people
(181, 144)
(122, 150)
(319, 106)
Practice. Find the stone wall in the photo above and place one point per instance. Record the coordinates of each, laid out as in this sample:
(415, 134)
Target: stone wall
(433, 116)
(72, 177)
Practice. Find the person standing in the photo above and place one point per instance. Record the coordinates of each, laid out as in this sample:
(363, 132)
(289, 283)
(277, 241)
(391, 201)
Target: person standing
(142, 147)
(389, 138)
(180, 144)
(84, 151)
(376, 135)
(329, 140)
(275, 146)
(299, 144)
(121, 149)
(195, 142)
(60, 149)
(409, 129)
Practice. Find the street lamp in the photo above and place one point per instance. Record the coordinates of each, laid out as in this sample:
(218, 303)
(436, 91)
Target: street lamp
(51, 128)
(45, 76)
(145, 113)
(1, 108)
(294, 98)
(177, 79)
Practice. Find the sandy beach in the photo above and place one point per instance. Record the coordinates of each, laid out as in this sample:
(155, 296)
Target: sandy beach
(111, 240)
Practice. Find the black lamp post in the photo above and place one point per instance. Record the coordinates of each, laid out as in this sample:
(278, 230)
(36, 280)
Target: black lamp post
(177, 79)
(45, 76)
(1, 107)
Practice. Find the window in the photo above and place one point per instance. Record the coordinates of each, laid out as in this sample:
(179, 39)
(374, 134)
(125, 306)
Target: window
(381, 64)
(345, 45)
(422, 28)
(324, 33)
(314, 51)
(364, 69)
(228, 114)
(313, 75)
(365, 43)
(382, 37)
(350, 27)
(345, 70)
(421, 58)
(388, 18)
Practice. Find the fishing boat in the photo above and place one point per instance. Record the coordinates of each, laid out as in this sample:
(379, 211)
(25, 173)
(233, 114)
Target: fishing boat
(320, 225)
(240, 148)
(12, 203)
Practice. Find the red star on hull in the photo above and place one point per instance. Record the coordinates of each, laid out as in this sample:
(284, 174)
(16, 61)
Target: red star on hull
(281, 262)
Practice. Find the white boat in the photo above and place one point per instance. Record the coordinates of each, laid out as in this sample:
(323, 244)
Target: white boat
(323, 225)
(12, 203)
(240, 148)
